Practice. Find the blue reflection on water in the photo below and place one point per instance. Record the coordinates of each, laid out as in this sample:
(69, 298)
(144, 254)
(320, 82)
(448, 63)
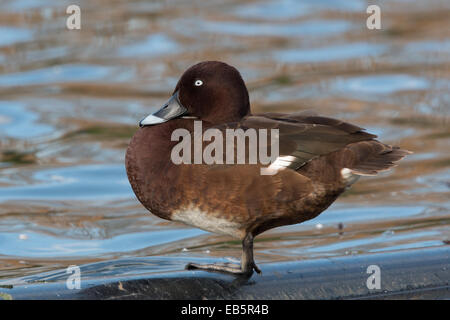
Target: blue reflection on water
(11, 35)
(285, 9)
(335, 215)
(44, 245)
(63, 74)
(153, 45)
(381, 84)
(78, 182)
(358, 243)
(18, 122)
(307, 28)
(329, 53)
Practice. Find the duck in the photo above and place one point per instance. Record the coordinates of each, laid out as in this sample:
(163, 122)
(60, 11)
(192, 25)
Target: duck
(317, 159)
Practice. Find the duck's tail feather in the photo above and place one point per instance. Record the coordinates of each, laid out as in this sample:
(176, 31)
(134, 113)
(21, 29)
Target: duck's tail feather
(367, 158)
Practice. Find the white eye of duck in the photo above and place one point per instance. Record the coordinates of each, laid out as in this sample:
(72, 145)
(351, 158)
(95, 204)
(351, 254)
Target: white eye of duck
(198, 83)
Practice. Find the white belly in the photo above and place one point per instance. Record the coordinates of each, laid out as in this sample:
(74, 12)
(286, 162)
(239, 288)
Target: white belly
(200, 219)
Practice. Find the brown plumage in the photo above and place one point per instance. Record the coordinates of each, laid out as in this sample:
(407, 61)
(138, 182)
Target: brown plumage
(321, 158)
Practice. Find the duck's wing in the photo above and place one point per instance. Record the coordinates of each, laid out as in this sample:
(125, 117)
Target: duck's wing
(303, 137)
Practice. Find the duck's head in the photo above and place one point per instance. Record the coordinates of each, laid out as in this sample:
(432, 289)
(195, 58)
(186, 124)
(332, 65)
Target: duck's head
(210, 91)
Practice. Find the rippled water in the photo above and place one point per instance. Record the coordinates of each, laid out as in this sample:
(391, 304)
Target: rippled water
(70, 101)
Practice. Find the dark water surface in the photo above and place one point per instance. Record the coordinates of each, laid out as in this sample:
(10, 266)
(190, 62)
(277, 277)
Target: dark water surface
(70, 101)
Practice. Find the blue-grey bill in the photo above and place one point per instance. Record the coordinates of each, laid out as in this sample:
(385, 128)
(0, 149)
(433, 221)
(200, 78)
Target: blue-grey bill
(172, 109)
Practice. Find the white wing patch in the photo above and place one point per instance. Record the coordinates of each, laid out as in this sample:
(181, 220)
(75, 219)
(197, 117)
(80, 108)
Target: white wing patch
(280, 163)
(348, 176)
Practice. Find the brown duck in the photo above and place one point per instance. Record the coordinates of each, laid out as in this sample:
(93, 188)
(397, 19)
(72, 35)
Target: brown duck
(319, 157)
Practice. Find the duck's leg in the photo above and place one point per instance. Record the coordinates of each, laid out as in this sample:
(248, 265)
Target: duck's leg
(247, 262)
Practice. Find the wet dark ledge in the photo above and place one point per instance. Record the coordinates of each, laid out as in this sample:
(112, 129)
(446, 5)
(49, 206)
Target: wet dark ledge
(418, 273)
